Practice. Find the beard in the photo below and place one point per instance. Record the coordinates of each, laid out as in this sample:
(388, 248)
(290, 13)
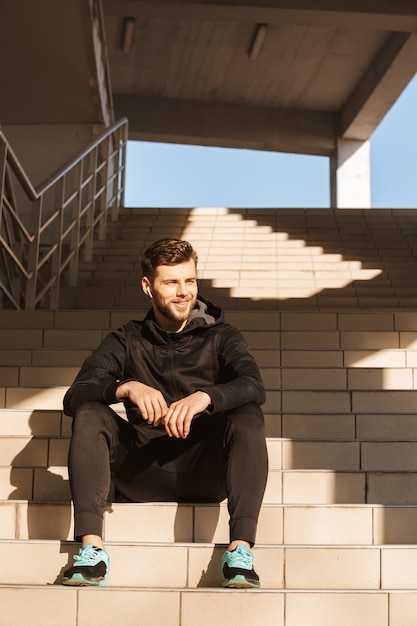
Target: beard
(170, 312)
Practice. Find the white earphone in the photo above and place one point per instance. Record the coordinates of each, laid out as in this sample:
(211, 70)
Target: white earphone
(149, 292)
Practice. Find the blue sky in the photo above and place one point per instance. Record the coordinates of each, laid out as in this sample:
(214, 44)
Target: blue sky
(164, 175)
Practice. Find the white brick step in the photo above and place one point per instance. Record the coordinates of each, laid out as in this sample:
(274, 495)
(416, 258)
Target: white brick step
(303, 379)
(338, 455)
(317, 525)
(187, 565)
(121, 297)
(56, 338)
(125, 248)
(45, 451)
(291, 301)
(147, 522)
(70, 319)
(50, 398)
(119, 265)
(289, 426)
(296, 321)
(133, 565)
(50, 484)
(62, 606)
(31, 368)
(287, 285)
(58, 374)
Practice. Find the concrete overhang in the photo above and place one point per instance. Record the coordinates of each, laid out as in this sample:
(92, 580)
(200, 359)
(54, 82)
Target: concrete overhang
(322, 69)
(325, 70)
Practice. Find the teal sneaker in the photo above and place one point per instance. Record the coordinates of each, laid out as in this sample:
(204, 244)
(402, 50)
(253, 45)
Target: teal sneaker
(238, 569)
(91, 567)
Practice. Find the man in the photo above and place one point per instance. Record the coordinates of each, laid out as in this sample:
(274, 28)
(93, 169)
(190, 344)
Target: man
(195, 432)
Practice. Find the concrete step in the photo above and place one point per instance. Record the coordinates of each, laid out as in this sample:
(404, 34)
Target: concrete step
(328, 402)
(185, 565)
(309, 486)
(288, 379)
(295, 321)
(292, 426)
(67, 357)
(304, 340)
(279, 524)
(61, 606)
(37, 398)
(199, 565)
(178, 565)
(158, 522)
(284, 454)
(210, 243)
(291, 300)
(250, 286)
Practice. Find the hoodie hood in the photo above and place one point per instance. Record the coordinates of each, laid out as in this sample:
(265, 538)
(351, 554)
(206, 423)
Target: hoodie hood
(204, 314)
(205, 311)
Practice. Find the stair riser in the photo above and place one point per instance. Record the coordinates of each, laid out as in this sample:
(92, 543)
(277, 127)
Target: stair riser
(366, 427)
(185, 566)
(302, 379)
(365, 456)
(286, 487)
(168, 523)
(53, 606)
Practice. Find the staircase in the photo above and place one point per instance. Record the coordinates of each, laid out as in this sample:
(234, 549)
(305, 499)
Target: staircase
(327, 303)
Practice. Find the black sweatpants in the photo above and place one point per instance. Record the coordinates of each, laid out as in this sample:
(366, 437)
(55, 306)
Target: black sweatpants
(224, 456)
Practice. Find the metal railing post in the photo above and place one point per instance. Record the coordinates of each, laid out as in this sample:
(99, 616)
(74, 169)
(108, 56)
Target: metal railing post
(31, 285)
(32, 263)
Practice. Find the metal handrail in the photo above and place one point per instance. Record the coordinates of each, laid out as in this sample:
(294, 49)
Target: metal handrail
(45, 233)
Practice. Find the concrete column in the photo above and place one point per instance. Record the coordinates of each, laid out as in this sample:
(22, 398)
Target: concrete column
(350, 175)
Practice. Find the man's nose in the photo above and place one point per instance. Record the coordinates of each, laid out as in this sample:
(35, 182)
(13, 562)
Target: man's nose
(182, 288)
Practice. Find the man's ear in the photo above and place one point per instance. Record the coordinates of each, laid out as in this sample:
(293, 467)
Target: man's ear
(146, 287)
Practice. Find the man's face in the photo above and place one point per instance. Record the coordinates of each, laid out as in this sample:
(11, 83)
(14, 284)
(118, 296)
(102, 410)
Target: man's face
(174, 292)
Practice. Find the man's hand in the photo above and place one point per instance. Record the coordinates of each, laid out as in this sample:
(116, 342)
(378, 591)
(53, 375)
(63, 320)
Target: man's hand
(150, 402)
(177, 420)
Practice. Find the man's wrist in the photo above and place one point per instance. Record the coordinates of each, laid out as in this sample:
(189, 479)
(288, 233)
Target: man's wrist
(122, 390)
(208, 399)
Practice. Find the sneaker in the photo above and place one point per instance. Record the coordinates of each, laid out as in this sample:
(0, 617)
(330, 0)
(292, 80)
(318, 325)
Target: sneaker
(91, 567)
(238, 568)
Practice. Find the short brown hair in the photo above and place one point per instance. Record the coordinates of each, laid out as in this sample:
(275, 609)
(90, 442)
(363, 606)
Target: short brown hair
(166, 252)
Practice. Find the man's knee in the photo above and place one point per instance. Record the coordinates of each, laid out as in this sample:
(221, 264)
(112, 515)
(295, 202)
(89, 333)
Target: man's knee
(93, 417)
(247, 421)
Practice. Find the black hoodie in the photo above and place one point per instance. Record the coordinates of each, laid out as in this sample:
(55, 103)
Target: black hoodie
(207, 355)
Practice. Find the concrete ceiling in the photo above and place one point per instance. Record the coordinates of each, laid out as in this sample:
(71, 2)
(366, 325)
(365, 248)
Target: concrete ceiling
(326, 69)
(48, 70)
